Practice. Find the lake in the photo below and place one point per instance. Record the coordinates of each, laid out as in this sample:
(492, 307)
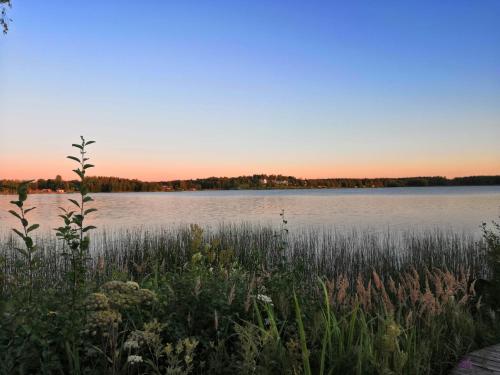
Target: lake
(395, 209)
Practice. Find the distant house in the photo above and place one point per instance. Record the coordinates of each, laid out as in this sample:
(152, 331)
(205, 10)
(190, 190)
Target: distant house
(263, 181)
(60, 191)
(281, 182)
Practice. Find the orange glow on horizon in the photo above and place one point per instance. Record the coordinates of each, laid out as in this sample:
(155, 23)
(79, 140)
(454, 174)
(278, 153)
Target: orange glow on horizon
(29, 169)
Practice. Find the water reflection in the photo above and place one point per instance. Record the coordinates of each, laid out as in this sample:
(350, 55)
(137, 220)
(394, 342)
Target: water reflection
(456, 208)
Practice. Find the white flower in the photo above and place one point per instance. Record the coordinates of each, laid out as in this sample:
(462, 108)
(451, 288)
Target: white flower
(264, 298)
(130, 344)
(133, 359)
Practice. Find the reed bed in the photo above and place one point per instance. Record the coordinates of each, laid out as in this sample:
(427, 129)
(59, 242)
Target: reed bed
(311, 252)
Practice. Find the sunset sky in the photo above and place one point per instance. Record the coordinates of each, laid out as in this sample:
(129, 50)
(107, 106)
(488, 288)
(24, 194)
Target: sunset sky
(184, 89)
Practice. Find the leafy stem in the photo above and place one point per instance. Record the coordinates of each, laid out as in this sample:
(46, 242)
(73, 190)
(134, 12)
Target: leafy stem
(74, 232)
(30, 247)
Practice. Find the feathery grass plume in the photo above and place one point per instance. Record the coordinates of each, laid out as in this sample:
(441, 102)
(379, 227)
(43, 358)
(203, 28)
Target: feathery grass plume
(342, 289)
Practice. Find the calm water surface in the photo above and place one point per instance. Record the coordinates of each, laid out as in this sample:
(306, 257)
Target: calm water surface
(447, 208)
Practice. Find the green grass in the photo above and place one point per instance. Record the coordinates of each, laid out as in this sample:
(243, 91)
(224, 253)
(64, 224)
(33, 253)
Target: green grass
(338, 302)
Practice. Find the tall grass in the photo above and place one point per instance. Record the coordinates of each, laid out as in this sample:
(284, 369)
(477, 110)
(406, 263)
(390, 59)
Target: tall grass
(309, 253)
(240, 299)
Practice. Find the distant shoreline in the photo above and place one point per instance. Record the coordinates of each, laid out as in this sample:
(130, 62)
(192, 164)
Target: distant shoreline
(106, 184)
(35, 192)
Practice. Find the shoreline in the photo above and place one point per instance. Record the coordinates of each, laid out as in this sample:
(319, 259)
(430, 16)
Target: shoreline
(253, 189)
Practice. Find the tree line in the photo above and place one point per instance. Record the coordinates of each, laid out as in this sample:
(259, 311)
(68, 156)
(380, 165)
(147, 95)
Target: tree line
(95, 185)
(261, 181)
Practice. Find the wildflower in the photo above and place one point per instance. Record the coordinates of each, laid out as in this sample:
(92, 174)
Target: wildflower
(168, 349)
(264, 298)
(133, 285)
(133, 359)
(97, 301)
(179, 347)
(393, 329)
(102, 321)
(125, 295)
(197, 257)
(389, 340)
(130, 344)
(146, 296)
(190, 344)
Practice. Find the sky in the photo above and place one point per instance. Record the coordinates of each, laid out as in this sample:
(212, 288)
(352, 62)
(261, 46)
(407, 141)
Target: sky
(186, 89)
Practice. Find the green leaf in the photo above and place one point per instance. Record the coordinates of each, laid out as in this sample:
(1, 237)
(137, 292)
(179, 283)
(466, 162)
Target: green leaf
(74, 202)
(78, 220)
(29, 209)
(23, 195)
(86, 212)
(89, 143)
(33, 227)
(80, 173)
(15, 214)
(87, 199)
(17, 203)
(88, 228)
(74, 158)
(86, 166)
(24, 222)
(77, 146)
(28, 241)
(22, 251)
(66, 219)
(18, 233)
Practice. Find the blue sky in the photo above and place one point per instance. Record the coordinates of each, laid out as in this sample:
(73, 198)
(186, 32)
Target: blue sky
(192, 89)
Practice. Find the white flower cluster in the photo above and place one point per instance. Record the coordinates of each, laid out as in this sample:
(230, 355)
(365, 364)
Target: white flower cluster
(130, 344)
(133, 359)
(264, 298)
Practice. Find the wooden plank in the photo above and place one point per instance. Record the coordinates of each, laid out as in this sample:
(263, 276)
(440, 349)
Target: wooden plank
(485, 361)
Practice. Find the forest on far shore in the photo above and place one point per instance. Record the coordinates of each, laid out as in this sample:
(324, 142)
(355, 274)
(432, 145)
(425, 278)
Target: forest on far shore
(261, 181)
